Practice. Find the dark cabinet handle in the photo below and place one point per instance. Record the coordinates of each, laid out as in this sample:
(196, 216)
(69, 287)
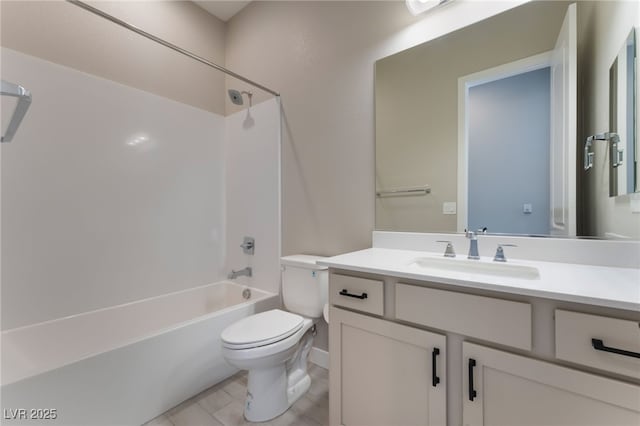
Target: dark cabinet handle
(357, 296)
(472, 392)
(599, 346)
(434, 378)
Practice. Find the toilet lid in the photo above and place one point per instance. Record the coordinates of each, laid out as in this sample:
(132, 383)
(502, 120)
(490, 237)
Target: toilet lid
(261, 329)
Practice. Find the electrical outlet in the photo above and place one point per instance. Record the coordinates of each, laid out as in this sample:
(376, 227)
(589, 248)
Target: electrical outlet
(449, 207)
(527, 208)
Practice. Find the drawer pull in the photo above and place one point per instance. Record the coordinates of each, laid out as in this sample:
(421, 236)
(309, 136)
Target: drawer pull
(599, 346)
(357, 296)
(472, 392)
(434, 378)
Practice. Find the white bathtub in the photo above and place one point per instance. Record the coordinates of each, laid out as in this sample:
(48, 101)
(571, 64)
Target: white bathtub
(122, 365)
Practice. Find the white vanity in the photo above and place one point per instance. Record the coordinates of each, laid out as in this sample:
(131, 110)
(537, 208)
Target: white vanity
(552, 335)
(415, 339)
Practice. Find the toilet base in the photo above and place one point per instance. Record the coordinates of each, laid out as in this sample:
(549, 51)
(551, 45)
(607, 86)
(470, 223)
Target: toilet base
(271, 391)
(266, 394)
(298, 387)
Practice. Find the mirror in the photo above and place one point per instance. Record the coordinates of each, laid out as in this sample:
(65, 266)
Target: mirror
(623, 153)
(479, 128)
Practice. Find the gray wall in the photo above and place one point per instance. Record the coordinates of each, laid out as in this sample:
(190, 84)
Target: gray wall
(62, 33)
(509, 154)
(602, 29)
(321, 56)
(630, 148)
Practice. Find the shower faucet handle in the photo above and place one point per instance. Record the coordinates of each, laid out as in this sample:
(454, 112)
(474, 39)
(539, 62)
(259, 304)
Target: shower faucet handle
(248, 245)
(449, 251)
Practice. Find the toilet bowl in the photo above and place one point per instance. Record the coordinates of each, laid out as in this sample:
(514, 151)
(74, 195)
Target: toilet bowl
(274, 345)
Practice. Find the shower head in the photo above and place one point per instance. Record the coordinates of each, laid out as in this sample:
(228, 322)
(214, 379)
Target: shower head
(236, 96)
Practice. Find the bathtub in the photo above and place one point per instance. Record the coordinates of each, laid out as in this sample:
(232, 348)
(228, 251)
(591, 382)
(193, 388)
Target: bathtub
(122, 365)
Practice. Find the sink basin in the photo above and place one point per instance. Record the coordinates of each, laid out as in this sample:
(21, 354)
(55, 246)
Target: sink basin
(479, 267)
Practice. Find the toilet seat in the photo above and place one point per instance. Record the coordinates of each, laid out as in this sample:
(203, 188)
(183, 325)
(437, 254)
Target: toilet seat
(261, 329)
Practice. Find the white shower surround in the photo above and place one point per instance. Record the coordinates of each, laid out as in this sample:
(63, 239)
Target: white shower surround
(252, 183)
(112, 197)
(118, 195)
(109, 195)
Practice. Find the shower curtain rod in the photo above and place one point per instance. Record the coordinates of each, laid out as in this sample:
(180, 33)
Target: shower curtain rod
(167, 44)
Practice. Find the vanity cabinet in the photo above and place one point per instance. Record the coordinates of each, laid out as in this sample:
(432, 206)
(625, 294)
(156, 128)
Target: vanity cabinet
(501, 388)
(388, 373)
(510, 362)
(609, 344)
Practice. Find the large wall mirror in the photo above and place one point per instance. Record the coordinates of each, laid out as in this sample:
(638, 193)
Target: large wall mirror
(484, 127)
(623, 174)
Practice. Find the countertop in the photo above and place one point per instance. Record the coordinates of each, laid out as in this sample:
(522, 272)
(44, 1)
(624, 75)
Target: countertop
(594, 285)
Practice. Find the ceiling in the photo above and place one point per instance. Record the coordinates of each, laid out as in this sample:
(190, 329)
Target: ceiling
(223, 10)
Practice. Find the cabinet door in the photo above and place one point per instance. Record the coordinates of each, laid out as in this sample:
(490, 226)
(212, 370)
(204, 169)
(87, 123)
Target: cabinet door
(382, 373)
(505, 389)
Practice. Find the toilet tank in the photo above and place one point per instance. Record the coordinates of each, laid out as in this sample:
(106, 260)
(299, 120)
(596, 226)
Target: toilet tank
(304, 285)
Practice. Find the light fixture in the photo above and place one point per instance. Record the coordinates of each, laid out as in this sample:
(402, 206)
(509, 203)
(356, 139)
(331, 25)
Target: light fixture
(417, 7)
(138, 140)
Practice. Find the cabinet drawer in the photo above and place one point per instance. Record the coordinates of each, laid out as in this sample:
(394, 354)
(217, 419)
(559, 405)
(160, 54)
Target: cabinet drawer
(575, 333)
(495, 320)
(362, 294)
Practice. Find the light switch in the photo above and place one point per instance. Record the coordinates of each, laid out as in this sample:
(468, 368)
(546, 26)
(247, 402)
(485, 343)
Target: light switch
(449, 207)
(527, 208)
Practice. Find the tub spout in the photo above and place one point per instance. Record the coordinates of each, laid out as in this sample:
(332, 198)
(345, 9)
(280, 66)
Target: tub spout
(235, 274)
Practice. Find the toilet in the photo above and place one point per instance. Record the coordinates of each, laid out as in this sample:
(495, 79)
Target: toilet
(274, 345)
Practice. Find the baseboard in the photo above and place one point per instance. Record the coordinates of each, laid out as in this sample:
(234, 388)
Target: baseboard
(319, 357)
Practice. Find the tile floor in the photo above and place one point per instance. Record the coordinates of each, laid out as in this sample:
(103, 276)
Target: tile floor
(223, 405)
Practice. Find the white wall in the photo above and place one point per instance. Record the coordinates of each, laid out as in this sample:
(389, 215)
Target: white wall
(599, 43)
(90, 218)
(252, 162)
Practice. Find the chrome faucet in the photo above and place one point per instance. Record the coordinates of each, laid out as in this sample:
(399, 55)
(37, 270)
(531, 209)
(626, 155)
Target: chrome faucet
(248, 245)
(473, 245)
(235, 274)
(449, 251)
(500, 257)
